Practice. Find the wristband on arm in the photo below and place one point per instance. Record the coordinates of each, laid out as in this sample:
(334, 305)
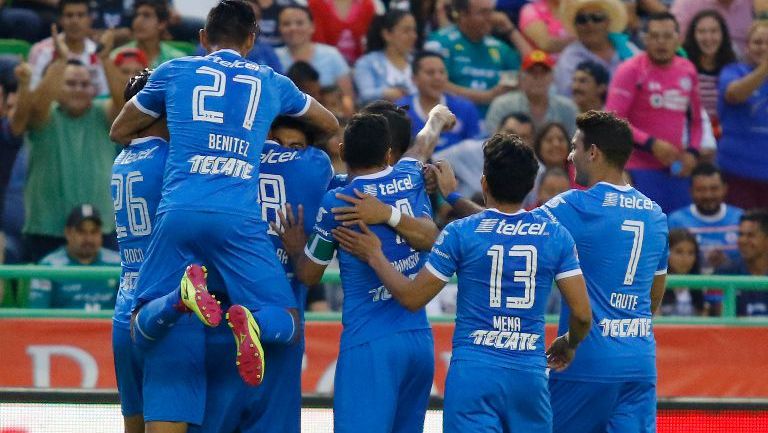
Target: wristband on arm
(453, 197)
(394, 217)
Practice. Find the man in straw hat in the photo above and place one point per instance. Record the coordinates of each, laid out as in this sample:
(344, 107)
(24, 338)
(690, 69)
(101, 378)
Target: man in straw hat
(597, 25)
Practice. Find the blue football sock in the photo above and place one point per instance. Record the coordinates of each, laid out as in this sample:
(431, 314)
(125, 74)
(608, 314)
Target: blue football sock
(277, 325)
(156, 317)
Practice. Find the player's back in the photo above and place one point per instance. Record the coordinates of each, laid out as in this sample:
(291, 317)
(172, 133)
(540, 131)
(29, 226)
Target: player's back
(296, 177)
(137, 177)
(219, 109)
(369, 310)
(506, 264)
(621, 237)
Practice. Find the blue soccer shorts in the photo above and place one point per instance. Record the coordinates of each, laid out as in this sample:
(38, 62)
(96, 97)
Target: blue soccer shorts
(383, 386)
(274, 406)
(174, 374)
(237, 247)
(129, 370)
(485, 398)
(594, 407)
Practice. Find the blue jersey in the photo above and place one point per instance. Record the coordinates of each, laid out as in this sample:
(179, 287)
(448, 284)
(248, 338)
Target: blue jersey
(713, 232)
(295, 177)
(467, 119)
(505, 265)
(137, 177)
(621, 236)
(339, 181)
(219, 109)
(369, 310)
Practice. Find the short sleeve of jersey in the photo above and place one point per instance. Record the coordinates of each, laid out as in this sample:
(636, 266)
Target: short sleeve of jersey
(151, 99)
(321, 245)
(294, 101)
(557, 209)
(445, 255)
(661, 269)
(569, 259)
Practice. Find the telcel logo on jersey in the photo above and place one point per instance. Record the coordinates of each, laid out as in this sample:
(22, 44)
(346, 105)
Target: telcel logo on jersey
(274, 157)
(627, 202)
(396, 185)
(519, 228)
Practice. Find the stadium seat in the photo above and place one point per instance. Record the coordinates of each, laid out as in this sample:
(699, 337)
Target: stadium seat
(15, 47)
(188, 48)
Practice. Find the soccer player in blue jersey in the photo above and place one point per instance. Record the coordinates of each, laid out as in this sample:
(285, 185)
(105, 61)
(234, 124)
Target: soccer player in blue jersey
(292, 172)
(506, 260)
(379, 335)
(219, 109)
(145, 387)
(621, 236)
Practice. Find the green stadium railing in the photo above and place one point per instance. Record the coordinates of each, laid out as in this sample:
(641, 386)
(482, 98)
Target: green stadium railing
(15, 47)
(730, 284)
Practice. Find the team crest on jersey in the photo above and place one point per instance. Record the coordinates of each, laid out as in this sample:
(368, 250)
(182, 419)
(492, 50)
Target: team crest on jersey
(554, 202)
(486, 225)
(370, 190)
(611, 199)
(320, 213)
(441, 238)
(685, 83)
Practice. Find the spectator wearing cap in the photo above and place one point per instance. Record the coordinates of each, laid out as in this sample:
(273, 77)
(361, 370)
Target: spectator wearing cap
(742, 152)
(534, 97)
(75, 23)
(83, 248)
(589, 87)
(475, 60)
(431, 79)
(657, 92)
(262, 52)
(70, 153)
(149, 25)
(598, 26)
(130, 62)
(753, 251)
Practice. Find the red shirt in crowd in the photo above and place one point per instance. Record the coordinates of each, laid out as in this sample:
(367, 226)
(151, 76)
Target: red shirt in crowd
(346, 34)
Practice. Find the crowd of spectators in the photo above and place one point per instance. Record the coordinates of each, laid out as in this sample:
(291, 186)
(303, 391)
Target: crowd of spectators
(691, 77)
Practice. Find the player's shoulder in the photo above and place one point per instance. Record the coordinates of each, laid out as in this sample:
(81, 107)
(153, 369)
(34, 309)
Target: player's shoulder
(142, 150)
(408, 165)
(109, 257)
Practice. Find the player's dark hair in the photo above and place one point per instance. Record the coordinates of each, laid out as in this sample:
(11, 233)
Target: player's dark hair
(421, 55)
(136, 83)
(682, 235)
(297, 7)
(509, 167)
(366, 141)
(159, 6)
(705, 169)
(661, 16)
(398, 120)
(289, 122)
(375, 40)
(302, 72)
(609, 133)
(64, 3)
(758, 216)
(231, 21)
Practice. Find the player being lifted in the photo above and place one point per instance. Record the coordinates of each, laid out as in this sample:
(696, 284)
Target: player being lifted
(506, 260)
(219, 109)
(379, 334)
(292, 171)
(621, 236)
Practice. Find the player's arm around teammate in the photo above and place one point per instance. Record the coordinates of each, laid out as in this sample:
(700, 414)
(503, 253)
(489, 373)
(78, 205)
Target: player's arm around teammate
(415, 294)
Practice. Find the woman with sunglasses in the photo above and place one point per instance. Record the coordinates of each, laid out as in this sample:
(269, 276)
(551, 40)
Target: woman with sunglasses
(597, 25)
